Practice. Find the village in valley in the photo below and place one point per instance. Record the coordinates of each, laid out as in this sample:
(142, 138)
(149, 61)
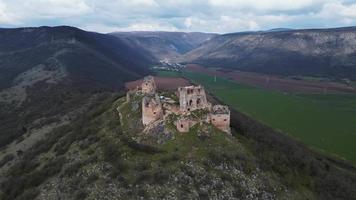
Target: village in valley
(188, 105)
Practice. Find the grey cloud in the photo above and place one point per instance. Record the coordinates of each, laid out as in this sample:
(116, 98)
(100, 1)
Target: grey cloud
(184, 15)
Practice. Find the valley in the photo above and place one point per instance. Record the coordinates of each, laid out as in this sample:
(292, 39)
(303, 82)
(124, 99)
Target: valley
(323, 121)
(77, 121)
(289, 84)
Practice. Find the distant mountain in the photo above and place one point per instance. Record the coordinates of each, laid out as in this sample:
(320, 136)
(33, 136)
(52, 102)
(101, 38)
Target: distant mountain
(312, 52)
(278, 29)
(164, 45)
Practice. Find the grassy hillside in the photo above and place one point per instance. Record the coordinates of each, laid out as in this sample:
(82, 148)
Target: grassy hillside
(97, 156)
(325, 121)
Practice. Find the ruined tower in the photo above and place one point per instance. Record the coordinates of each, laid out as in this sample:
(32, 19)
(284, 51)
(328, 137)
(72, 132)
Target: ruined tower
(148, 86)
(220, 117)
(192, 98)
(183, 124)
(151, 109)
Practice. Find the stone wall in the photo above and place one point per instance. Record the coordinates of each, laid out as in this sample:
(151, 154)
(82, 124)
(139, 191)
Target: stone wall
(192, 98)
(220, 118)
(148, 86)
(183, 125)
(151, 109)
(171, 108)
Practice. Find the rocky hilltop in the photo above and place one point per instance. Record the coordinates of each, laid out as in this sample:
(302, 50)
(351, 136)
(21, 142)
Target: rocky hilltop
(312, 52)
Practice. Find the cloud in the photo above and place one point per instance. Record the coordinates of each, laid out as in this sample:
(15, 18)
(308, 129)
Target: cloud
(183, 15)
(337, 9)
(20, 12)
(6, 17)
(148, 26)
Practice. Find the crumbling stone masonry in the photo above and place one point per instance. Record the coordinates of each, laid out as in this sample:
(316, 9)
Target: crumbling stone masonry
(151, 109)
(184, 124)
(148, 86)
(192, 98)
(220, 118)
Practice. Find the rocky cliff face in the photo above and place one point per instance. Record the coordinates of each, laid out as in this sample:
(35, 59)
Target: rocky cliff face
(319, 52)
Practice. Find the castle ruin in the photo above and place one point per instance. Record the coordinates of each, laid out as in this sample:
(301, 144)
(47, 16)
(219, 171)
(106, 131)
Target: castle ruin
(148, 86)
(184, 124)
(151, 109)
(220, 117)
(191, 98)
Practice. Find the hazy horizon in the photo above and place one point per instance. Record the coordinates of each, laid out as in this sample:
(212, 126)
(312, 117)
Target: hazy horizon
(177, 31)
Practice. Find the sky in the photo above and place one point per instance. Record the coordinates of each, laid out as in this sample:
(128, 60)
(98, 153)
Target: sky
(218, 16)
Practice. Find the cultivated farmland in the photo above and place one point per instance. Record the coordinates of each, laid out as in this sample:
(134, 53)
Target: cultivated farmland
(324, 121)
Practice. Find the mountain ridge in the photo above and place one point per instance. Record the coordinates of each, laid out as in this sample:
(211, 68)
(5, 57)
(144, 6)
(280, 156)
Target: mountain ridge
(48, 73)
(305, 52)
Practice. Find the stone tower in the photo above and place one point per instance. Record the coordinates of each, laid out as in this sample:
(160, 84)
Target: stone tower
(148, 86)
(184, 124)
(220, 118)
(151, 109)
(192, 98)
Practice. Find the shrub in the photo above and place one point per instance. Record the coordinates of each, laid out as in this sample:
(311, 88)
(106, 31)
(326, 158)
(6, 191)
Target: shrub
(6, 159)
(141, 147)
(92, 178)
(29, 194)
(72, 169)
(81, 194)
(113, 156)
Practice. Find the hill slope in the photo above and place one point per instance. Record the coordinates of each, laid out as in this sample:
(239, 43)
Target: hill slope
(105, 155)
(47, 73)
(314, 52)
(91, 56)
(164, 45)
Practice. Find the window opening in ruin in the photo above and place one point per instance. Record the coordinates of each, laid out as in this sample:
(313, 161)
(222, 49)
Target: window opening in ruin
(225, 120)
(181, 125)
(147, 104)
(198, 102)
(154, 113)
(213, 119)
(190, 102)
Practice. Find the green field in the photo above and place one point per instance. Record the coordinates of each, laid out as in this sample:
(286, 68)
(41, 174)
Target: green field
(325, 121)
